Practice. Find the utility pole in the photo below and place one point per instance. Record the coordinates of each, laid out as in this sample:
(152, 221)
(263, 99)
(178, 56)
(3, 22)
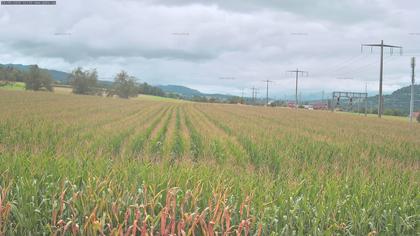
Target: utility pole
(382, 46)
(297, 72)
(256, 95)
(366, 99)
(300, 97)
(413, 66)
(267, 81)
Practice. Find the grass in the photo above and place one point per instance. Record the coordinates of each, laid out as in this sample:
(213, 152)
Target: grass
(144, 97)
(13, 86)
(386, 117)
(94, 165)
(63, 89)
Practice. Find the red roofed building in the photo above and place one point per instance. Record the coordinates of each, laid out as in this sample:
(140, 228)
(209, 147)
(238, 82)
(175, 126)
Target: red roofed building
(291, 105)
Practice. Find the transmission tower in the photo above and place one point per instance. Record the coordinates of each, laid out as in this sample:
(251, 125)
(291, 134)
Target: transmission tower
(413, 66)
(267, 81)
(382, 46)
(254, 94)
(298, 72)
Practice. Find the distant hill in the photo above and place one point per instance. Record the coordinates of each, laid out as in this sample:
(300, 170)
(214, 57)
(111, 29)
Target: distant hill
(181, 90)
(399, 99)
(59, 76)
(189, 93)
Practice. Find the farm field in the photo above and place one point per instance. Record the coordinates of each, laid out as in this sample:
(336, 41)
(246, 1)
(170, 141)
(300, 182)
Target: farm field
(99, 166)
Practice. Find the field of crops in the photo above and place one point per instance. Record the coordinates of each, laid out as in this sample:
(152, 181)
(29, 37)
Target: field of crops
(92, 165)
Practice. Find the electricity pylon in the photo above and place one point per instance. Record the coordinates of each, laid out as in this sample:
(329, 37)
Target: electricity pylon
(382, 46)
(297, 72)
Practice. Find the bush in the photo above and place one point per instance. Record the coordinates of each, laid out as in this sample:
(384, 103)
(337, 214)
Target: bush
(418, 118)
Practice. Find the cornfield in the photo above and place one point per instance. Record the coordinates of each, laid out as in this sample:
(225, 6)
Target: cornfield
(81, 165)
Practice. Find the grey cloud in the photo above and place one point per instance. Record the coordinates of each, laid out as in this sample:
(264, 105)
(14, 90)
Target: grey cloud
(196, 42)
(345, 11)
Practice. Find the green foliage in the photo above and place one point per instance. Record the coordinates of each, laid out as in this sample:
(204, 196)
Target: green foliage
(393, 112)
(125, 85)
(278, 103)
(178, 144)
(83, 82)
(37, 79)
(12, 85)
(91, 166)
(235, 100)
(418, 118)
(145, 88)
(11, 74)
(196, 140)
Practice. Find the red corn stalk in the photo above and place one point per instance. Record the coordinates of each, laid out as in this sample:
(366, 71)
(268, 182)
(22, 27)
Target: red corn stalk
(259, 229)
(240, 228)
(126, 217)
(62, 202)
(66, 227)
(181, 227)
(227, 220)
(54, 217)
(134, 231)
(91, 218)
(163, 217)
(4, 211)
(75, 228)
(211, 228)
(144, 228)
(127, 233)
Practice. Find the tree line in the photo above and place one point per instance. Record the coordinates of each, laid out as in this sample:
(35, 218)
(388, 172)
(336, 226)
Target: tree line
(124, 85)
(83, 82)
(34, 79)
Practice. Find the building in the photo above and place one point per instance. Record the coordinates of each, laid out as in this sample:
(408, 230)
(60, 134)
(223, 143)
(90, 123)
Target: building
(291, 105)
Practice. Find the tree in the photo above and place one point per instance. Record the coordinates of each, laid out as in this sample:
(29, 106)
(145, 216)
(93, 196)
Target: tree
(125, 85)
(145, 88)
(418, 118)
(37, 79)
(83, 82)
(235, 100)
(10, 74)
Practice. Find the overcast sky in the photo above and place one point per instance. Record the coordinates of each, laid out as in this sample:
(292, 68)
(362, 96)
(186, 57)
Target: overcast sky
(219, 46)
